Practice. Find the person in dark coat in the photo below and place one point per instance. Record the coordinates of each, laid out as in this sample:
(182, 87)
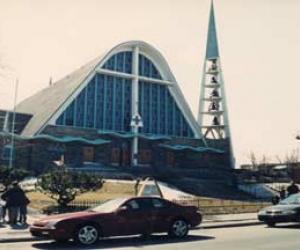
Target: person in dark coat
(23, 210)
(292, 189)
(136, 186)
(14, 198)
(282, 193)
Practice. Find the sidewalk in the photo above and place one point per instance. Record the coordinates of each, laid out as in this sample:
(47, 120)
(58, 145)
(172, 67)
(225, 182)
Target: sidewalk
(18, 233)
(229, 220)
(21, 233)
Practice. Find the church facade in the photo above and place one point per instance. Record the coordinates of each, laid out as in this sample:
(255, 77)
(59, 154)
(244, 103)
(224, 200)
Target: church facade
(124, 109)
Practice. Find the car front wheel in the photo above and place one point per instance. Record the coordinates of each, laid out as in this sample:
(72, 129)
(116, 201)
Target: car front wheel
(271, 224)
(178, 229)
(87, 234)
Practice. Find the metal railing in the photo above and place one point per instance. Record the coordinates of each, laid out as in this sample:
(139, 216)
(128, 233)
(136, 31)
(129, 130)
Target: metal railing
(206, 206)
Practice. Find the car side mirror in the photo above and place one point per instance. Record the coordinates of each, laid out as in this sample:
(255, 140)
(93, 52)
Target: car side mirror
(123, 209)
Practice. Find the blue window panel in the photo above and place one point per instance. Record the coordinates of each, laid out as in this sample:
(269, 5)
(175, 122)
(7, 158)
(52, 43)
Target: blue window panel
(178, 117)
(184, 129)
(118, 104)
(99, 101)
(162, 125)
(90, 104)
(109, 104)
(121, 62)
(146, 114)
(70, 114)
(154, 72)
(127, 105)
(154, 108)
(169, 114)
(128, 62)
(107, 109)
(60, 119)
(80, 109)
(147, 68)
(160, 113)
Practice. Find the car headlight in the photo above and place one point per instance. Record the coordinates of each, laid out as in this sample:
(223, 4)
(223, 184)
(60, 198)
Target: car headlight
(287, 212)
(51, 224)
(262, 212)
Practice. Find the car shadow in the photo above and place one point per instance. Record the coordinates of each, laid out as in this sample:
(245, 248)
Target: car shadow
(123, 242)
(288, 226)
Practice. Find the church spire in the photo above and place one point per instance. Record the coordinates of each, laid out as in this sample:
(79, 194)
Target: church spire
(212, 50)
(213, 116)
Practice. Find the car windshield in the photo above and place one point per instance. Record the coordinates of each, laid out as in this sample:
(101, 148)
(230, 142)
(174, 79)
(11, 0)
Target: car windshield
(108, 206)
(293, 199)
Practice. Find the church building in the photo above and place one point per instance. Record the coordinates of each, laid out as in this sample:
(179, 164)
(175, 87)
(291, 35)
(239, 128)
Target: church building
(123, 109)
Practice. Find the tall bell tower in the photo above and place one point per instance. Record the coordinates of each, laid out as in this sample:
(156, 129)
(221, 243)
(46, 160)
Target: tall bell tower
(213, 115)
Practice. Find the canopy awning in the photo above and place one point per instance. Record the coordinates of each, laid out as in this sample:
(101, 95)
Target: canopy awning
(179, 147)
(63, 139)
(131, 135)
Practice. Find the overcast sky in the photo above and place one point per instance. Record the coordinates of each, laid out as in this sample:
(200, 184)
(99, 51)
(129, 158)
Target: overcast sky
(259, 42)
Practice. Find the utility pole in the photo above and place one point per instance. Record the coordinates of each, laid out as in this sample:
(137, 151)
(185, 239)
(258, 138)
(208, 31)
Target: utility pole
(13, 126)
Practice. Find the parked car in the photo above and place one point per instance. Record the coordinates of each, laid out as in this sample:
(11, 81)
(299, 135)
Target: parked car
(28, 184)
(287, 210)
(118, 217)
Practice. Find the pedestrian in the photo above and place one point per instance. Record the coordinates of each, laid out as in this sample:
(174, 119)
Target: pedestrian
(275, 199)
(136, 186)
(23, 210)
(14, 198)
(2, 205)
(292, 188)
(282, 193)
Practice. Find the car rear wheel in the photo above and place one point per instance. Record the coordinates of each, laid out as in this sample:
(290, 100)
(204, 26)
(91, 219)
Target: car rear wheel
(87, 234)
(178, 229)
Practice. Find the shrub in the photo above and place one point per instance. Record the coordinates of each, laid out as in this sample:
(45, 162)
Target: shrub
(64, 185)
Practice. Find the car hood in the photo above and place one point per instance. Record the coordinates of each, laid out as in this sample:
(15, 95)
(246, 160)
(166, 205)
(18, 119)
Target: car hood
(64, 216)
(282, 207)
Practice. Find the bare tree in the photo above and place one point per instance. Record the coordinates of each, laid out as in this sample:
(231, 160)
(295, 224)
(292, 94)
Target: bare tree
(253, 160)
(292, 157)
(264, 160)
(279, 159)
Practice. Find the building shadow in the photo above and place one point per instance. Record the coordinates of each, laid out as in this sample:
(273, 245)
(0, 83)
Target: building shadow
(19, 226)
(123, 242)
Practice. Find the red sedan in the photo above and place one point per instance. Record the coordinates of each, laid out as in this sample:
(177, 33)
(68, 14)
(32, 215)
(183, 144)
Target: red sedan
(118, 217)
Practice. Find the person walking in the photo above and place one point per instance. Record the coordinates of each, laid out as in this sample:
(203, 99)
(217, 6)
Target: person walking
(292, 189)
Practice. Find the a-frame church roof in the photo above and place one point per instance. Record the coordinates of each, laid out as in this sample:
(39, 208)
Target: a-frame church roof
(49, 101)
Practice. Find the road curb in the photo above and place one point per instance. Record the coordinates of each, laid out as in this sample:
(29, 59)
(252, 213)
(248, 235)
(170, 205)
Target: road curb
(230, 224)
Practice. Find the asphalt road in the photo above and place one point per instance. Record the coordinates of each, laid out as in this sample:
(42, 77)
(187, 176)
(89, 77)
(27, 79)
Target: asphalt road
(251, 237)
